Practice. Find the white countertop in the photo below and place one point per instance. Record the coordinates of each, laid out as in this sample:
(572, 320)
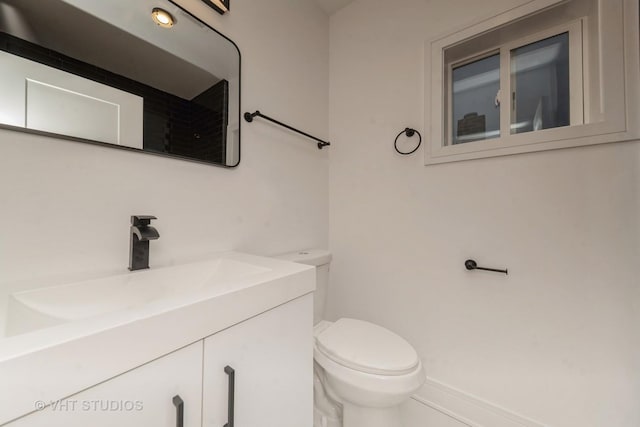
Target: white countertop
(55, 362)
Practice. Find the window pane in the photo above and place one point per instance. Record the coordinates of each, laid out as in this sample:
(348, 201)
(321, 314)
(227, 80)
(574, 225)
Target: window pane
(475, 109)
(540, 85)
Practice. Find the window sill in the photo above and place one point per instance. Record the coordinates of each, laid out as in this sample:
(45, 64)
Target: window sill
(543, 140)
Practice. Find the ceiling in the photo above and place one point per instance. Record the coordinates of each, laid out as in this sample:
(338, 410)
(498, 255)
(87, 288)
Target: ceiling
(332, 6)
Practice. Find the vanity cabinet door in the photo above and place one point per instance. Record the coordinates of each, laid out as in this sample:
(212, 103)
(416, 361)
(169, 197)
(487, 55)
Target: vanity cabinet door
(270, 357)
(139, 398)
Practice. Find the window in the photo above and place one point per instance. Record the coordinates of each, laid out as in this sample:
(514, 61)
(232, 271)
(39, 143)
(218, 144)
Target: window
(475, 105)
(540, 83)
(539, 75)
(532, 79)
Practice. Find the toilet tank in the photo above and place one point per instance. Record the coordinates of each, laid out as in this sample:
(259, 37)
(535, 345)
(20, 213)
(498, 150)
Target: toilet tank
(320, 258)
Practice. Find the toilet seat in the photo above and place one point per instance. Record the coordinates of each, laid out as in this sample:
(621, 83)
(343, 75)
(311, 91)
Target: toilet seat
(366, 347)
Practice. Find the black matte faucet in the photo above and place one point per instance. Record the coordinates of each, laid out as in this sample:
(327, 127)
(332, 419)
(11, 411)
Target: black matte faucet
(141, 233)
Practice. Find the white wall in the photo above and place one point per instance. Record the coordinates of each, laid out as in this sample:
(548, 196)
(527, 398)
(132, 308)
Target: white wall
(65, 206)
(556, 341)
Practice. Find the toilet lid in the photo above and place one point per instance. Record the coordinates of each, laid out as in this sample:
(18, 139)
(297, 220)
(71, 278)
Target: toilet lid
(366, 347)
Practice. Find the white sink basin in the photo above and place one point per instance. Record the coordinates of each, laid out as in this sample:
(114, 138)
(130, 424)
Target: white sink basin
(44, 307)
(69, 335)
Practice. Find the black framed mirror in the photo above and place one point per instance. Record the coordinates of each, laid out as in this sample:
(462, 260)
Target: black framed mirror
(144, 75)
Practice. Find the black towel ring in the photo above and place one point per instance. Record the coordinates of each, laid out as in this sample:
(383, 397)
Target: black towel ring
(409, 132)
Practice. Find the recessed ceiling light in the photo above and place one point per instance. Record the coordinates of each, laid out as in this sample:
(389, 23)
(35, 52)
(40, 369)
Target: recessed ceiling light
(162, 17)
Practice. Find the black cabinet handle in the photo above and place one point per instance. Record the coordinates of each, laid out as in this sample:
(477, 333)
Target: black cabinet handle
(232, 385)
(179, 404)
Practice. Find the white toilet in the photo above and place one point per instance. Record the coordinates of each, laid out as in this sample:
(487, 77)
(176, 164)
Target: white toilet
(363, 372)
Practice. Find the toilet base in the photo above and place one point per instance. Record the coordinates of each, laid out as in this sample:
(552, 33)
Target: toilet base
(321, 419)
(358, 416)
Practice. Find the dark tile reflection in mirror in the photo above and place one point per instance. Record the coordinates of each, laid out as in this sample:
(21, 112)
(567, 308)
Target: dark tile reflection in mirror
(194, 129)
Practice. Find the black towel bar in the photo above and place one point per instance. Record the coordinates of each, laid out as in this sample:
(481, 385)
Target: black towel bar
(249, 117)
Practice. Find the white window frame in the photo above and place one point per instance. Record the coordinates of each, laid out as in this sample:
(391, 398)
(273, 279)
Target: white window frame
(619, 86)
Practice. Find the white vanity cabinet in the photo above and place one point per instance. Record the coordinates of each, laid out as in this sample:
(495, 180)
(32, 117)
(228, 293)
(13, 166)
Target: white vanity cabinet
(272, 358)
(140, 397)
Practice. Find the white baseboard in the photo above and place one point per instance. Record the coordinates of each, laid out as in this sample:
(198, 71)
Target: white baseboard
(467, 409)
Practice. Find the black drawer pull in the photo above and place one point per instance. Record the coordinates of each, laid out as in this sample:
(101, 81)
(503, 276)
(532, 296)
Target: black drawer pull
(232, 385)
(179, 404)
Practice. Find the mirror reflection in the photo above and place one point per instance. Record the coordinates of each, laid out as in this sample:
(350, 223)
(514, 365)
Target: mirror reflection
(143, 75)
